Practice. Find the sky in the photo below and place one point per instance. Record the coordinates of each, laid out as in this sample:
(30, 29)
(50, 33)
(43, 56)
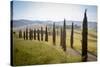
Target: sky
(52, 11)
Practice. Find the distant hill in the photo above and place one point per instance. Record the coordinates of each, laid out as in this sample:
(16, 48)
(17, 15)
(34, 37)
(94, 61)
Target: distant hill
(78, 24)
(19, 23)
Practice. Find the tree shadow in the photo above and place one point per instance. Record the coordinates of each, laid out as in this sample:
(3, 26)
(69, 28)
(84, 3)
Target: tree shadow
(77, 51)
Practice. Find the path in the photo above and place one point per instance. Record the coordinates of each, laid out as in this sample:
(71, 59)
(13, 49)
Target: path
(78, 53)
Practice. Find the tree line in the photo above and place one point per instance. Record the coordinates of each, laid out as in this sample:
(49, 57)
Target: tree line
(30, 34)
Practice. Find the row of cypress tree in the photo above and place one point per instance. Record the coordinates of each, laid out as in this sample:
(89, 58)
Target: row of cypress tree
(84, 37)
(34, 34)
(63, 35)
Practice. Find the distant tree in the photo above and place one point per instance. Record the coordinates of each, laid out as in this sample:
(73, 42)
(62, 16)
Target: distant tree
(31, 34)
(41, 33)
(85, 38)
(61, 37)
(64, 36)
(38, 35)
(20, 34)
(72, 35)
(24, 36)
(26, 33)
(54, 34)
(46, 34)
(34, 34)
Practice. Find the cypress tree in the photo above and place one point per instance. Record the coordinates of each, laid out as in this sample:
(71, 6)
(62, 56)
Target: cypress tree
(38, 35)
(31, 34)
(34, 34)
(26, 33)
(20, 34)
(72, 34)
(41, 34)
(46, 34)
(64, 36)
(61, 37)
(54, 34)
(84, 38)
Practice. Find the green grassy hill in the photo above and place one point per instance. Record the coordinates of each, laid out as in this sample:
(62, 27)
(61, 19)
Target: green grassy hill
(32, 52)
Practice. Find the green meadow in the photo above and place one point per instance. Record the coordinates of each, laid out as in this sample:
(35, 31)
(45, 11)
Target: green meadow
(33, 52)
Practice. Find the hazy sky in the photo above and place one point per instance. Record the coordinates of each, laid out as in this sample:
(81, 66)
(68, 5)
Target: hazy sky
(52, 11)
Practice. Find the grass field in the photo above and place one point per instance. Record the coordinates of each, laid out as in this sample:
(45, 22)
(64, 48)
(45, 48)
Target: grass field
(92, 40)
(27, 52)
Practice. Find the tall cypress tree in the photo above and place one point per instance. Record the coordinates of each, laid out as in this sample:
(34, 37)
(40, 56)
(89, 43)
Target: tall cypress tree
(20, 34)
(38, 35)
(85, 38)
(72, 35)
(46, 34)
(61, 37)
(54, 34)
(26, 33)
(41, 33)
(31, 34)
(64, 36)
(34, 34)
(24, 36)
